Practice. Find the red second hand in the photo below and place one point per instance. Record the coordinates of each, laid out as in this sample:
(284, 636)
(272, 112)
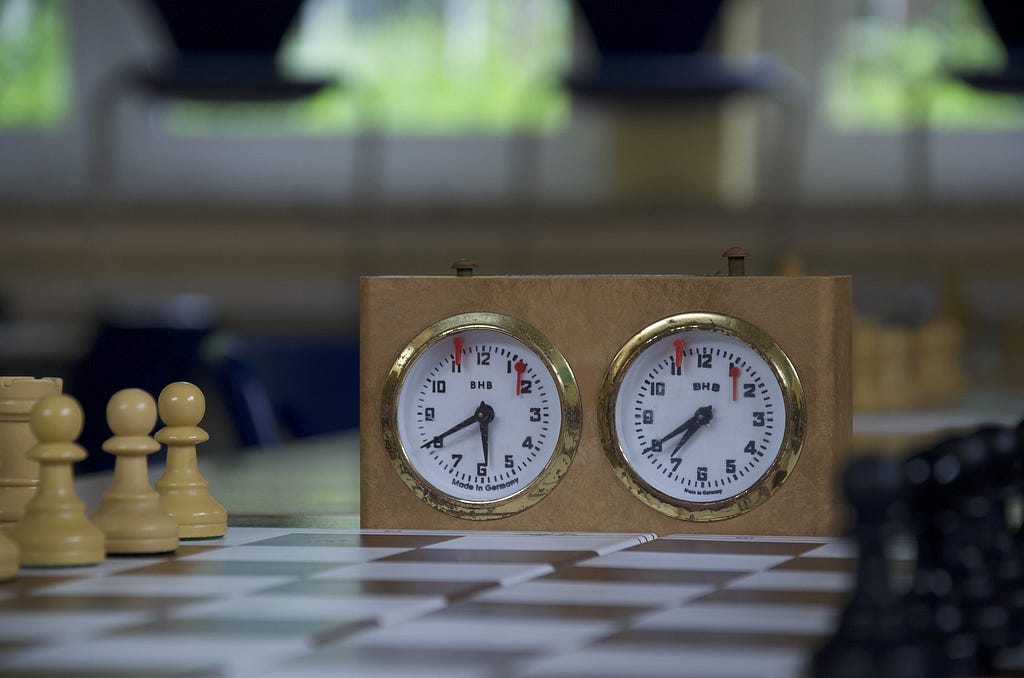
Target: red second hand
(458, 350)
(734, 372)
(520, 368)
(679, 354)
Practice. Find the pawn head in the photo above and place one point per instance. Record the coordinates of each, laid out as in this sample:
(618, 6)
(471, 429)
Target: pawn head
(56, 418)
(182, 404)
(131, 412)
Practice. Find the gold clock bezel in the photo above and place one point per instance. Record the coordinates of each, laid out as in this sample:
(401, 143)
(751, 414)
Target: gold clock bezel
(793, 398)
(569, 409)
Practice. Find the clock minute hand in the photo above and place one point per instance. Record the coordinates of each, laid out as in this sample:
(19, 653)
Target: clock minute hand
(479, 415)
(701, 417)
(485, 415)
(483, 439)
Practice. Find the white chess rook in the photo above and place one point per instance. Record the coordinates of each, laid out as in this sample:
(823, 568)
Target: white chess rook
(19, 474)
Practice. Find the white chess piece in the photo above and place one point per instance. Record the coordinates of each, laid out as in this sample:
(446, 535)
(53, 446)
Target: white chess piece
(9, 558)
(130, 514)
(55, 530)
(184, 493)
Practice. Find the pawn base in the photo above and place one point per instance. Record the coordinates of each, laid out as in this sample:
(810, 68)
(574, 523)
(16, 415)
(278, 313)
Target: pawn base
(141, 547)
(64, 557)
(48, 540)
(198, 515)
(136, 524)
(202, 530)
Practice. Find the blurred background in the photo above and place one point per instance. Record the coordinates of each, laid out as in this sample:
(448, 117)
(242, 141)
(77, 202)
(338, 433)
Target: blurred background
(192, 189)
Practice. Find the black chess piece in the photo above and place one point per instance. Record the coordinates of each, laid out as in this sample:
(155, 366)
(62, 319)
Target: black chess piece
(934, 608)
(874, 638)
(994, 452)
(982, 567)
(1018, 477)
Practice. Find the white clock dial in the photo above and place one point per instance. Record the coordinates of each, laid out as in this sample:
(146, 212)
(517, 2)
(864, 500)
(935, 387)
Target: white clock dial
(703, 411)
(485, 415)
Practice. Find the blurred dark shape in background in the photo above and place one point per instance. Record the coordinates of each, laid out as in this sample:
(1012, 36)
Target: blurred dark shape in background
(281, 387)
(656, 51)
(1007, 17)
(227, 51)
(649, 27)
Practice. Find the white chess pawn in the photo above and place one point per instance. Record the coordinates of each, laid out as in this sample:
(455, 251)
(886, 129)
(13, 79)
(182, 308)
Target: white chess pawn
(184, 493)
(130, 514)
(55, 530)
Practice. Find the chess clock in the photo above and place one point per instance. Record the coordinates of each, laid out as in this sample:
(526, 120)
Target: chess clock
(481, 415)
(702, 416)
(715, 404)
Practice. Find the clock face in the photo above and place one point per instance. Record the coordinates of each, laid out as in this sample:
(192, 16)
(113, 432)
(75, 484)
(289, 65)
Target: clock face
(703, 416)
(481, 415)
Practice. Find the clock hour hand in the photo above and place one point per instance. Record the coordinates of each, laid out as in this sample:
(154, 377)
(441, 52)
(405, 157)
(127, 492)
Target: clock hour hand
(703, 416)
(692, 423)
(483, 411)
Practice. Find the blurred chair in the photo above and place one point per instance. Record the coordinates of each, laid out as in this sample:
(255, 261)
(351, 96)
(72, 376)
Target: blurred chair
(276, 388)
(144, 342)
(655, 53)
(223, 52)
(226, 51)
(1007, 18)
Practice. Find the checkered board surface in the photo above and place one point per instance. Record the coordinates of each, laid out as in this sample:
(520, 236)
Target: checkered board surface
(280, 602)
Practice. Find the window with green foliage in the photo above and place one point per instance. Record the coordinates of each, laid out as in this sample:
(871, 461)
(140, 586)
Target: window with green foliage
(35, 81)
(894, 69)
(429, 67)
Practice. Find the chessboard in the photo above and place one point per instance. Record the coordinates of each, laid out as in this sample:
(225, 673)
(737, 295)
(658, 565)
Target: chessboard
(933, 579)
(317, 602)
